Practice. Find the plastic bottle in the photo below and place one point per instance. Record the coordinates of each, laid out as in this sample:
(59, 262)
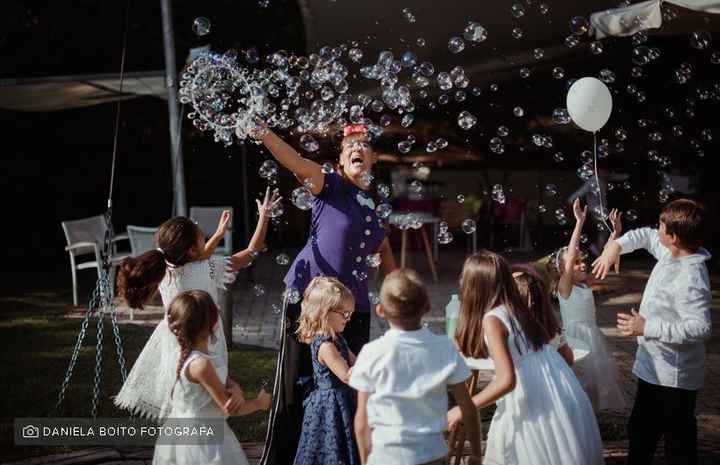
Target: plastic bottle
(452, 311)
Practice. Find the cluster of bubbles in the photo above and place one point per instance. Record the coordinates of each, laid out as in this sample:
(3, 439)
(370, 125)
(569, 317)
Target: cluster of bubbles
(498, 194)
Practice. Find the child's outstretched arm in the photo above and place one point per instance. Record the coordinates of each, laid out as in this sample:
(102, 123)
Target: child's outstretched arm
(202, 371)
(302, 168)
(470, 420)
(362, 427)
(257, 243)
(215, 239)
(565, 284)
(261, 402)
(641, 238)
(329, 356)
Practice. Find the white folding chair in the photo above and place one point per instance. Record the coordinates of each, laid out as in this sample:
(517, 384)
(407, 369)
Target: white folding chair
(142, 239)
(86, 237)
(207, 218)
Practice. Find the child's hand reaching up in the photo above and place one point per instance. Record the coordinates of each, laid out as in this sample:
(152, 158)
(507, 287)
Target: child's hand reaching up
(453, 417)
(615, 218)
(269, 203)
(223, 223)
(580, 213)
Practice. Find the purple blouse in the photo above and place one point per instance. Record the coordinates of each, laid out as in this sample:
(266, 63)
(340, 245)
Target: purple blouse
(344, 230)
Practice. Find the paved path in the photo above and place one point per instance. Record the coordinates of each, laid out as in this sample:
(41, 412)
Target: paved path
(256, 323)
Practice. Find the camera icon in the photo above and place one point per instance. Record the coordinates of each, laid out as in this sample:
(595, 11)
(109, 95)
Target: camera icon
(30, 432)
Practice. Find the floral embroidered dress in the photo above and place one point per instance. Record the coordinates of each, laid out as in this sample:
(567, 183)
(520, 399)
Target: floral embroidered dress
(146, 391)
(327, 430)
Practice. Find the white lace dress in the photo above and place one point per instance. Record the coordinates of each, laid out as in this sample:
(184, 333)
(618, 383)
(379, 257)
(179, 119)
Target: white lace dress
(547, 419)
(191, 400)
(146, 391)
(597, 372)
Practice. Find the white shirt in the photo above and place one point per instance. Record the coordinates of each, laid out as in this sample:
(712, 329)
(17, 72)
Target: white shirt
(407, 374)
(676, 307)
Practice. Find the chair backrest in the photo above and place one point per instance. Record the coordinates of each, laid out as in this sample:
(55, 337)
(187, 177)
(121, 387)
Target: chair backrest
(207, 218)
(141, 239)
(85, 230)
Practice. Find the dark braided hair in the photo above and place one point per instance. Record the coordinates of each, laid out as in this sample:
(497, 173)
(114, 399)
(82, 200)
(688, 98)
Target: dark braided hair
(139, 277)
(190, 313)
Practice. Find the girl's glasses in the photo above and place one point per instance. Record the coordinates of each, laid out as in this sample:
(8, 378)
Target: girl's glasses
(345, 315)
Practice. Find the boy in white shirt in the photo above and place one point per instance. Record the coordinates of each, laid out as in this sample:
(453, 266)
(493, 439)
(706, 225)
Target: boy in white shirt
(673, 322)
(402, 380)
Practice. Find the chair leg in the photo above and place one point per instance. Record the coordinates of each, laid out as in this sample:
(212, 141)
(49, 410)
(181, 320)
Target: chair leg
(428, 253)
(73, 272)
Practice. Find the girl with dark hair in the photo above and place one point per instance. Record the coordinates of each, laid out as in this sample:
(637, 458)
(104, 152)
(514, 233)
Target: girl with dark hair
(181, 262)
(533, 291)
(199, 387)
(543, 416)
(346, 235)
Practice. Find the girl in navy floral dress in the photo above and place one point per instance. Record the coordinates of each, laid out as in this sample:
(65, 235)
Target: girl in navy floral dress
(327, 436)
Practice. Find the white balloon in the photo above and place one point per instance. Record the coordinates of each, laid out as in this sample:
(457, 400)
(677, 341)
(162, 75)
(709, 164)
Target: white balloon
(589, 103)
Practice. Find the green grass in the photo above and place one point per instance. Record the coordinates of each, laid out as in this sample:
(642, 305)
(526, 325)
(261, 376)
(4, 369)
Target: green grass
(36, 341)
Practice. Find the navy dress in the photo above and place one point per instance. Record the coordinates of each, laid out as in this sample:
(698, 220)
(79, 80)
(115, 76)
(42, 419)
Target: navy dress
(327, 436)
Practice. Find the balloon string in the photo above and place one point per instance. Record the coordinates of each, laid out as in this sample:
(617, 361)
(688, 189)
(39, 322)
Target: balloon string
(597, 180)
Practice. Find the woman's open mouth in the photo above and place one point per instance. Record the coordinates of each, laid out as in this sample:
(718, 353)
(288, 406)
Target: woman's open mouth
(356, 159)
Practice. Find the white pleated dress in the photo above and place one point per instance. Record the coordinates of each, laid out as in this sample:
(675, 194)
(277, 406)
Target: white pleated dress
(547, 419)
(597, 372)
(146, 391)
(191, 400)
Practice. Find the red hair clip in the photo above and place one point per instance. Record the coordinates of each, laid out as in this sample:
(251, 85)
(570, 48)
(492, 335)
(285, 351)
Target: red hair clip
(354, 129)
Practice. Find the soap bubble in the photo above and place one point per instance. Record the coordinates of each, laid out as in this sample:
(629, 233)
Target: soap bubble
(259, 290)
(282, 259)
(327, 168)
(466, 120)
(596, 48)
(497, 146)
(468, 226)
(302, 198)
(374, 298)
(420, 42)
(201, 26)
(558, 72)
(571, 41)
(383, 190)
(518, 111)
(407, 120)
(276, 309)
(456, 45)
(559, 157)
(607, 76)
(474, 32)
(383, 210)
(277, 211)
(524, 72)
(551, 190)
(700, 40)
(641, 55)
(497, 194)
(268, 169)
(543, 8)
(409, 16)
(538, 53)
(561, 116)
(292, 295)
(444, 237)
(621, 134)
(355, 54)
(373, 260)
(503, 131)
(706, 135)
(517, 10)
(631, 215)
(308, 143)
(517, 33)
(404, 146)
(441, 143)
(408, 59)
(579, 26)
(460, 198)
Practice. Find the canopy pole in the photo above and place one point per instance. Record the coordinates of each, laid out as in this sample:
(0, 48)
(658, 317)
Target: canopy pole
(179, 201)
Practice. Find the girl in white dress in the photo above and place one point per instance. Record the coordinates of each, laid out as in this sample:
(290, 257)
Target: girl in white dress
(597, 372)
(543, 416)
(182, 262)
(199, 387)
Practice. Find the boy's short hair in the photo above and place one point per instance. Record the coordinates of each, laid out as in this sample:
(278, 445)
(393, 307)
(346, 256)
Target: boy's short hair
(404, 296)
(686, 220)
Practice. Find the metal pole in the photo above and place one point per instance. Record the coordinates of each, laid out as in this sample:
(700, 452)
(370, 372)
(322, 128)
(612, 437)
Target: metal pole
(179, 202)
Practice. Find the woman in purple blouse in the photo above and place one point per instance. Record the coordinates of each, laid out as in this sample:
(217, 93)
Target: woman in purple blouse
(344, 231)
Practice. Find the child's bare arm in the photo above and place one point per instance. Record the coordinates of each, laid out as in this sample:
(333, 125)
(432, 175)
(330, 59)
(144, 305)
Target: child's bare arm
(215, 239)
(202, 371)
(261, 402)
(565, 284)
(469, 417)
(362, 427)
(329, 356)
(244, 257)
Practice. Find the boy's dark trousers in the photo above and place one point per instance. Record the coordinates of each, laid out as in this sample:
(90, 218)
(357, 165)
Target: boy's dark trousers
(663, 411)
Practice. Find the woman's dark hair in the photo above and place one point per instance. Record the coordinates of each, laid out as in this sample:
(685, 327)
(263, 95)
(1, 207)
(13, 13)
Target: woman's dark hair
(190, 313)
(532, 289)
(486, 283)
(139, 277)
